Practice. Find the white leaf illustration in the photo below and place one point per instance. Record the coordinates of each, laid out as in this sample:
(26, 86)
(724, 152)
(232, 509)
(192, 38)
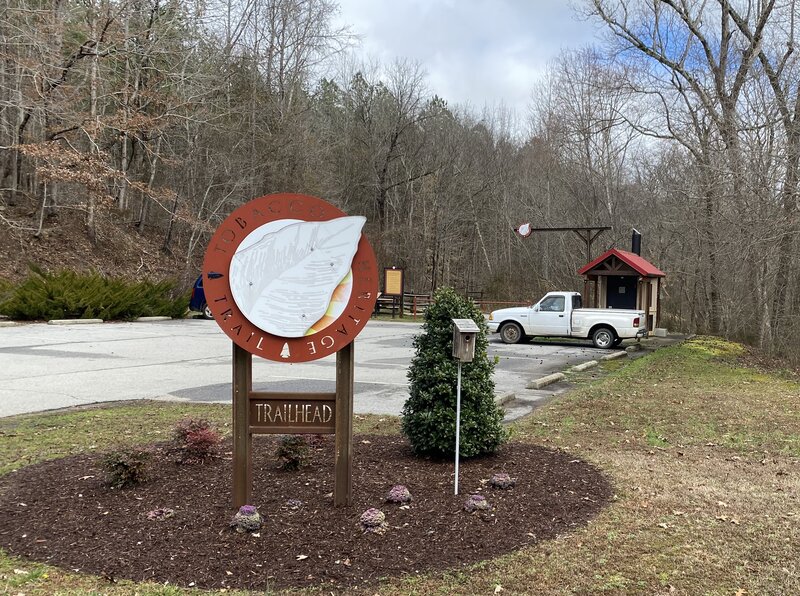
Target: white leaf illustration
(283, 283)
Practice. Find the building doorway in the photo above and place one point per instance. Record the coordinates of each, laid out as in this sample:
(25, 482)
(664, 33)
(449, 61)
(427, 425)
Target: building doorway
(621, 291)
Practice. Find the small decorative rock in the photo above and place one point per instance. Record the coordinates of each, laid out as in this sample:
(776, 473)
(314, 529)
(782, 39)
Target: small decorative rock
(294, 503)
(502, 480)
(160, 514)
(476, 503)
(399, 494)
(373, 521)
(247, 519)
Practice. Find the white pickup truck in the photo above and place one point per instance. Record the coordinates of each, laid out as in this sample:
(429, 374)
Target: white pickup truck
(559, 314)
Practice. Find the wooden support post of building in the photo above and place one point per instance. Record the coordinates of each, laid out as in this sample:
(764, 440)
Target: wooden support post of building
(658, 303)
(343, 483)
(587, 297)
(242, 439)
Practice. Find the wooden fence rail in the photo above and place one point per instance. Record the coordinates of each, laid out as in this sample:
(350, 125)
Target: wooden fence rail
(414, 305)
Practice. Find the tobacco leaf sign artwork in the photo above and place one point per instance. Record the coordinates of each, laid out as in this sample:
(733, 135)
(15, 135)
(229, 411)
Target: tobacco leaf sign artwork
(290, 277)
(284, 282)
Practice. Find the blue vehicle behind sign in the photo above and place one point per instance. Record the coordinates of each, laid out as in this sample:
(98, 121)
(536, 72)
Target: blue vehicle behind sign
(198, 300)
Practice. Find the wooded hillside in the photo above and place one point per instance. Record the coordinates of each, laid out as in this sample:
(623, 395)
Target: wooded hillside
(153, 119)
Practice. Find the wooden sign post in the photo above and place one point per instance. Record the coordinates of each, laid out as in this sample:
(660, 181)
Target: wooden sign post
(343, 483)
(258, 412)
(291, 278)
(242, 438)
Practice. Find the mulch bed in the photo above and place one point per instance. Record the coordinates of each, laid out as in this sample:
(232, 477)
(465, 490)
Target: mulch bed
(62, 513)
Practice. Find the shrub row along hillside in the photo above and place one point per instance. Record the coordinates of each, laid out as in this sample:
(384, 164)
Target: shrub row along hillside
(72, 295)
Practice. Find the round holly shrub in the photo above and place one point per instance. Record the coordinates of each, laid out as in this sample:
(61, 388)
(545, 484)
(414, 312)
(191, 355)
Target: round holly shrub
(429, 414)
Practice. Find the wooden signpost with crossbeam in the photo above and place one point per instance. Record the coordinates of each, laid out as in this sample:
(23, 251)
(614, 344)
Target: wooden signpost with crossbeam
(586, 233)
(291, 278)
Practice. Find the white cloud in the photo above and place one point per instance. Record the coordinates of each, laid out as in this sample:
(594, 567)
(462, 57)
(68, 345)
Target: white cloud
(474, 51)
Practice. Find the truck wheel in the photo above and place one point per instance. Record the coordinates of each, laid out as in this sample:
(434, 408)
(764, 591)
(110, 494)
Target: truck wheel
(617, 341)
(603, 338)
(207, 314)
(511, 333)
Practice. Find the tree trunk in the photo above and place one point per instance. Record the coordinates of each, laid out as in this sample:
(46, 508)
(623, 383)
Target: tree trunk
(710, 242)
(168, 236)
(146, 198)
(94, 124)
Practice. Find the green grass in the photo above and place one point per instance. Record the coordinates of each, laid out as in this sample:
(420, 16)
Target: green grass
(703, 452)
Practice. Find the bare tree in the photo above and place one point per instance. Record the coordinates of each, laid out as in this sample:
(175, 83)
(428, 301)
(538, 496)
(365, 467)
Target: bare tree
(692, 58)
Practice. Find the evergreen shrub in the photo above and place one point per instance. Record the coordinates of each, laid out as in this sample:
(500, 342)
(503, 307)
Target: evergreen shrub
(429, 414)
(77, 295)
(292, 452)
(6, 290)
(125, 468)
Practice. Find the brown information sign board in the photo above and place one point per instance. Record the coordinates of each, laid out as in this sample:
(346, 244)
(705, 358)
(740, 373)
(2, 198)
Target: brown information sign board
(392, 281)
(292, 413)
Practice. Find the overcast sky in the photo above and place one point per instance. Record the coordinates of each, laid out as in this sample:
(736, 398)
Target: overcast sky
(474, 51)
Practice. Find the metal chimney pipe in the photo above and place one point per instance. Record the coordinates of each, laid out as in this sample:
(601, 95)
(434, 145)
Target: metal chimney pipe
(636, 242)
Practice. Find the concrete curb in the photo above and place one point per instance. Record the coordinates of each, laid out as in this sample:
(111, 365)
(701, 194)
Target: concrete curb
(544, 381)
(584, 366)
(502, 400)
(74, 321)
(148, 319)
(556, 377)
(8, 323)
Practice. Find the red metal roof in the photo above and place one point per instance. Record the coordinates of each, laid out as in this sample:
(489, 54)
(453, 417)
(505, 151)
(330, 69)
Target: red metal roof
(637, 263)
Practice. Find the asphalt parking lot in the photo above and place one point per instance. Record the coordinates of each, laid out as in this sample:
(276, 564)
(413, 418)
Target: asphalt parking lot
(47, 367)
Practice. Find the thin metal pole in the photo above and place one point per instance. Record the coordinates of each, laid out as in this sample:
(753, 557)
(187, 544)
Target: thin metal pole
(458, 420)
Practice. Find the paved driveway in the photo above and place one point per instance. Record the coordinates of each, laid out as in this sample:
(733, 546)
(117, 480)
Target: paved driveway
(45, 367)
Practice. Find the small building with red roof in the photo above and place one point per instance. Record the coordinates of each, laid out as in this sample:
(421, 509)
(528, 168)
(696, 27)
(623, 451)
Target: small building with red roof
(623, 279)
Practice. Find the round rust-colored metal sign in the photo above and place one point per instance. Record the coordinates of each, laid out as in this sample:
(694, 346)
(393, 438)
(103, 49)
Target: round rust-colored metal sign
(290, 277)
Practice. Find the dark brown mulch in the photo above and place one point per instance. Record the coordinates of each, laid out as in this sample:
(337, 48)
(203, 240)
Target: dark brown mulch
(61, 512)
